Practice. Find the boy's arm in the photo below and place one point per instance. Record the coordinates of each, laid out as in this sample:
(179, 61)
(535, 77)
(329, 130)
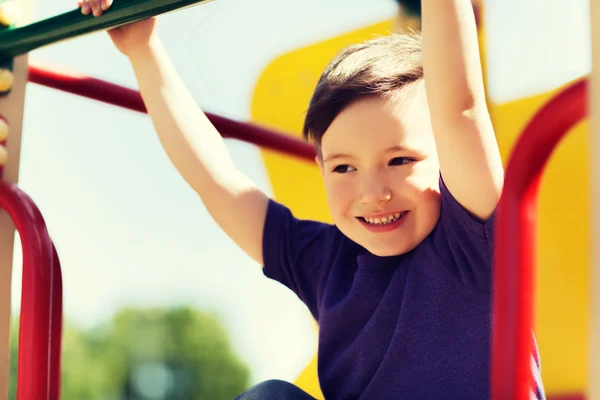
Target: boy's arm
(198, 151)
(470, 162)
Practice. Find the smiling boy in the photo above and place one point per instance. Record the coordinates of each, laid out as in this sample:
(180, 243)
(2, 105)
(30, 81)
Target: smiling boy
(401, 283)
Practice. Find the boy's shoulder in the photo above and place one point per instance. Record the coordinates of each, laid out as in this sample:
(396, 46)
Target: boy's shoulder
(455, 219)
(301, 254)
(463, 242)
(309, 238)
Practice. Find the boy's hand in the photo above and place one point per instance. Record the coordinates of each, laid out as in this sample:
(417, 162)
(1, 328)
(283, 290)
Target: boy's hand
(127, 38)
(96, 7)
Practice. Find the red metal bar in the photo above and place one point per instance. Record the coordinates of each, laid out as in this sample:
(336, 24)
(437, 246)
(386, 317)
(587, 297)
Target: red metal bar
(41, 300)
(56, 310)
(131, 99)
(515, 242)
(2, 143)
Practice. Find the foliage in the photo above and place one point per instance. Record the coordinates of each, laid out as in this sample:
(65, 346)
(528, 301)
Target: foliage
(148, 354)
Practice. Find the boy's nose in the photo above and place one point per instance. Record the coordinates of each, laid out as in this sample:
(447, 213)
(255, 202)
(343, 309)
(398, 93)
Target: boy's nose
(375, 192)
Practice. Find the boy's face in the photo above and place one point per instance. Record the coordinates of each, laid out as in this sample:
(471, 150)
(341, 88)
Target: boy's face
(381, 172)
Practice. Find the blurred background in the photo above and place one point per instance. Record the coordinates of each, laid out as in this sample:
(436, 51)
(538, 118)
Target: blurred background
(158, 302)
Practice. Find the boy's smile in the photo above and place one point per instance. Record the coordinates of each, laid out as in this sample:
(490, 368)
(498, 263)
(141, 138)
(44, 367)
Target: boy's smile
(383, 222)
(381, 172)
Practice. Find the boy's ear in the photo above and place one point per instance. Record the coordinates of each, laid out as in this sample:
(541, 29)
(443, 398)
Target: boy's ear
(319, 163)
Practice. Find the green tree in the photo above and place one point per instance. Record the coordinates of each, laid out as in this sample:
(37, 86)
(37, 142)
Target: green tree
(14, 343)
(147, 354)
(173, 354)
(77, 366)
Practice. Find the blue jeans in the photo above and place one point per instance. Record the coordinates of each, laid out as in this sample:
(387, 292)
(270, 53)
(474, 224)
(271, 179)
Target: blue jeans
(275, 390)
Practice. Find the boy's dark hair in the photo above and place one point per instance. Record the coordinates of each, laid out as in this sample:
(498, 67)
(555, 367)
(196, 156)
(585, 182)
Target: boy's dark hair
(378, 67)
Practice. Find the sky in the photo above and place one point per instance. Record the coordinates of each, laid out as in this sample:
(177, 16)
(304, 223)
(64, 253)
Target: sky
(128, 228)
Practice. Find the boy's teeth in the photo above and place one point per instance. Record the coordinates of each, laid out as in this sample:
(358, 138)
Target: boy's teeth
(384, 220)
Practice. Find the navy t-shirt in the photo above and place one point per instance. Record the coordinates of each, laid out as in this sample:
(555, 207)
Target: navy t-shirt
(413, 326)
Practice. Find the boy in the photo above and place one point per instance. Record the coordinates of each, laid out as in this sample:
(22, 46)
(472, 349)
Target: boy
(401, 284)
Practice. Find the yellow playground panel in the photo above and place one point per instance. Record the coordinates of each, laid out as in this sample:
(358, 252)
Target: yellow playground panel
(283, 91)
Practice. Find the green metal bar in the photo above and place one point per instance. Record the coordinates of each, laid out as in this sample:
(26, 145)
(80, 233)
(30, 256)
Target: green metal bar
(21, 40)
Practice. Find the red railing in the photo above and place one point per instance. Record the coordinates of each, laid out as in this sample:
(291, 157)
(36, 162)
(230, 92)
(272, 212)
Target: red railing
(121, 96)
(515, 239)
(40, 327)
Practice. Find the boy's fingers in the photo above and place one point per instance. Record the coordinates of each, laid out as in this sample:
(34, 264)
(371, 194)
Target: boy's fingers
(105, 4)
(96, 7)
(85, 7)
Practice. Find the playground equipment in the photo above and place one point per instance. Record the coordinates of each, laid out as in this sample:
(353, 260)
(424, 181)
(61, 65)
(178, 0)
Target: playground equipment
(16, 41)
(515, 235)
(39, 361)
(41, 308)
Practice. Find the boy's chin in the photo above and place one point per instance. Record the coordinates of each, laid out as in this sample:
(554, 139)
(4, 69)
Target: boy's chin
(389, 248)
(387, 252)
(381, 250)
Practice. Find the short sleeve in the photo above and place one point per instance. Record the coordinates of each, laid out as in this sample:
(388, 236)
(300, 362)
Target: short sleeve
(464, 242)
(295, 253)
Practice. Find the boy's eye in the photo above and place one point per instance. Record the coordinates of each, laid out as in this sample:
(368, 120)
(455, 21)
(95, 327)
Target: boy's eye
(401, 160)
(342, 169)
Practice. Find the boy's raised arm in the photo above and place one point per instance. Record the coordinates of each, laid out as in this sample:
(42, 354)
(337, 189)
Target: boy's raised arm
(467, 149)
(198, 151)
(192, 143)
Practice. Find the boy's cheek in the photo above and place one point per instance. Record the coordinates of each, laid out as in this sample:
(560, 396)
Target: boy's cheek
(339, 196)
(425, 176)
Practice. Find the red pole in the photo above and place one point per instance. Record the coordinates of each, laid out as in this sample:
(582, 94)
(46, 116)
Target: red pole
(41, 300)
(514, 255)
(128, 98)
